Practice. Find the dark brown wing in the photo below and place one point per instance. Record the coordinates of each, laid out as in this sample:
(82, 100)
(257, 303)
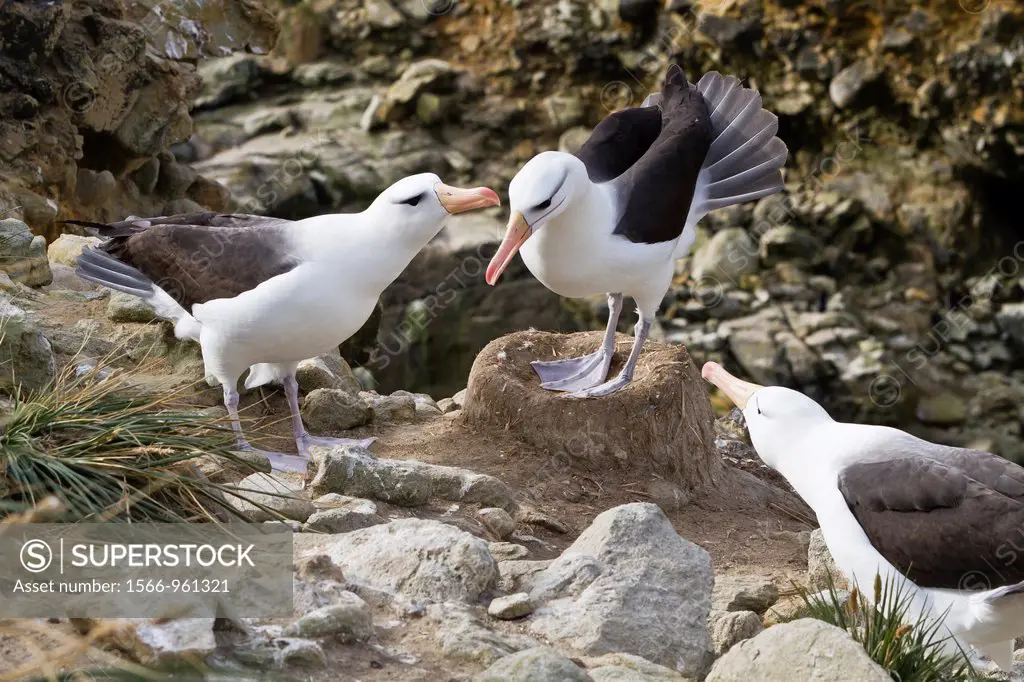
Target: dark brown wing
(941, 527)
(619, 141)
(655, 193)
(199, 257)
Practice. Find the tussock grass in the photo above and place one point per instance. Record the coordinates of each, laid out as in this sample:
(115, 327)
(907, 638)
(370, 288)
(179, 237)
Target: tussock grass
(107, 451)
(910, 649)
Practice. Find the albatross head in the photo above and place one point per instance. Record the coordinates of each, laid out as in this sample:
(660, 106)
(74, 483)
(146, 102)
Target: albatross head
(775, 416)
(542, 189)
(419, 204)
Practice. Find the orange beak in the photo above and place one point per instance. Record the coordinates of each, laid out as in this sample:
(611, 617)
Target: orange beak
(517, 232)
(458, 200)
(737, 390)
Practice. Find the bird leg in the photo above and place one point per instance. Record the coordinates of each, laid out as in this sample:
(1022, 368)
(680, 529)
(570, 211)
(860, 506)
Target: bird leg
(302, 438)
(643, 327)
(575, 374)
(278, 460)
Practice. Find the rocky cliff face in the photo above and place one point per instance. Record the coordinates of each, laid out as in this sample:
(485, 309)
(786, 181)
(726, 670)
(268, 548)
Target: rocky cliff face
(94, 92)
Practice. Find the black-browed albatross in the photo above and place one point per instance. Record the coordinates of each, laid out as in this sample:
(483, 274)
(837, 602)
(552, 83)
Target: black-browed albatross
(945, 524)
(614, 217)
(269, 293)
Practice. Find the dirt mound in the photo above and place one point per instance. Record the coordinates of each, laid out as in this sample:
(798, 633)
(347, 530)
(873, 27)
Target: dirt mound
(660, 426)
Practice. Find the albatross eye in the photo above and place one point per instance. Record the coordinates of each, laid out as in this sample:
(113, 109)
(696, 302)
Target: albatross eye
(412, 201)
(542, 205)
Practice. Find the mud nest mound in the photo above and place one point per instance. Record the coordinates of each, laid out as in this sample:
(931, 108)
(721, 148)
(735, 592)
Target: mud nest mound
(659, 426)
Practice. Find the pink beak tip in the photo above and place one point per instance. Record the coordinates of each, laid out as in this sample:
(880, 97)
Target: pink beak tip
(490, 195)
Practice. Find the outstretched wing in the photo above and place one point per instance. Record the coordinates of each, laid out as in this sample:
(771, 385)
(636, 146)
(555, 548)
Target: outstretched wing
(619, 141)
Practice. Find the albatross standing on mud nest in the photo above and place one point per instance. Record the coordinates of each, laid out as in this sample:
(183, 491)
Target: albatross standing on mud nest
(614, 217)
(269, 293)
(945, 524)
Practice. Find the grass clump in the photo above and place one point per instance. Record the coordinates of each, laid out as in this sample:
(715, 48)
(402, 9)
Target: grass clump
(107, 451)
(910, 649)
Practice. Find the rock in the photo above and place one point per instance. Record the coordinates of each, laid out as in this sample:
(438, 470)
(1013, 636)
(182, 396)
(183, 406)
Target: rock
(432, 75)
(729, 628)
(342, 519)
(605, 435)
(327, 371)
(227, 80)
(93, 188)
(1011, 320)
(465, 637)
(743, 593)
(629, 668)
(124, 307)
(646, 592)
(820, 565)
(408, 483)
(459, 399)
(280, 652)
(728, 256)
(784, 611)
(26, 357)
(540, 664)
(572, 139)
(23, 255)
(945, 409)
(517, 575)
(805, 649)
(146, 175)
(421, 561)
(348, 620)
(330, 411)
(564, 111)
(391, 409)
(504, 551)
(498, 521)
(511, 607)
(381, 14)
(274, 494)
(787, 243)
(849, 83)
(172, 641)
(68, 247)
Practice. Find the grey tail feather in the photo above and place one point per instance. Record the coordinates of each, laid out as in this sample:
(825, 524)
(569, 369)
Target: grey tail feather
(99, 267)
(745, 159)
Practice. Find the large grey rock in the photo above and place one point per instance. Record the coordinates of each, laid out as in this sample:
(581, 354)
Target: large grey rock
(726, 257)
(540, 664)
(463, 636)
(420, 561)
(805, 649)
(743, 593)
(731, 627)
(154, 641)
(23, 255)
(820, 565)
(260, 492)
(348, 514)
(330, 411)
(326, 371)
(629, 668)
(347, 620)
(632, 586)
(354, 471)
(26, 357)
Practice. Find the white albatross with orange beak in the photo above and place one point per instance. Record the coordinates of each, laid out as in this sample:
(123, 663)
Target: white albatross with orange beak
(267, 293)
(945, 524)
(614, 217)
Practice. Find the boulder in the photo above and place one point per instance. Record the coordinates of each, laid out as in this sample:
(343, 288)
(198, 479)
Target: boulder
(26, 357)
(729, 628)
(539, 664)
(727, 257)
(420, 561)
(629, 668)
(260, 495)
(820, 565)
(743, 593)
(23, 255)
(805, 649)
(632, 586)
(327, 371)
(68, 247)
(347, 620)
(331, 411)
(498, 521)
(465, 637)
(510, 607)
(170, 641)
(661, 425)
(348, 514)
(124, 307)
